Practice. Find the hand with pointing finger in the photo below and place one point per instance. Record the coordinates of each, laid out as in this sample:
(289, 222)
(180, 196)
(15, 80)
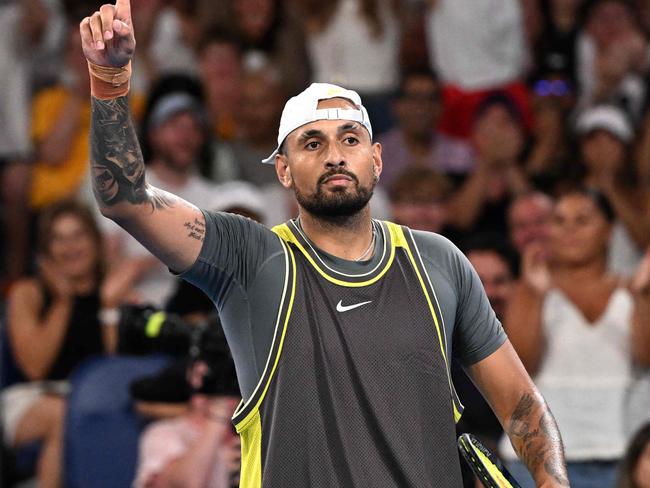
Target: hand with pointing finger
(107, 35)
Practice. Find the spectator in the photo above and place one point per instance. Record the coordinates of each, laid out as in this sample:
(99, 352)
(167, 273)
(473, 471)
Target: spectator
(268, 31)
(355, 43)
(54, 322)
(578, 330)
(498, 136)
(200, 448)
(612, 58)
(220, 70)
(418, 199)
(262, 99)
(635, 467)
(605, 142)
(476, 47)
(529, 219)
(415, 141)
(177, 131)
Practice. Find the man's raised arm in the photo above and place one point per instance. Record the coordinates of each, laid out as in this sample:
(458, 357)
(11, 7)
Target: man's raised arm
(169, 227)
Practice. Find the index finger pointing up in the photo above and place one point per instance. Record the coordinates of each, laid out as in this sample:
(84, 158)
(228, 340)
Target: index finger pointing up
(123, 11)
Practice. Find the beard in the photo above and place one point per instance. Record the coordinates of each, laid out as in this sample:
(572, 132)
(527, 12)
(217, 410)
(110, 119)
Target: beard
(339, 205)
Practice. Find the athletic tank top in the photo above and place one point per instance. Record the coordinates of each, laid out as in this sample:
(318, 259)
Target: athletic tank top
(357, 390)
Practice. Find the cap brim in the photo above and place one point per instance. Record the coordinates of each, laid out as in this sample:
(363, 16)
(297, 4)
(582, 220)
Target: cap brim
(271, 158)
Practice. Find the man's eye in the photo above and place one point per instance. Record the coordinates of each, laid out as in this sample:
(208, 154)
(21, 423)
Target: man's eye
(312, 145)
(351, 140)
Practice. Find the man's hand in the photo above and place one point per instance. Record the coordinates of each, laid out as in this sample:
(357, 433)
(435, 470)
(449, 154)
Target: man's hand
(107, 35)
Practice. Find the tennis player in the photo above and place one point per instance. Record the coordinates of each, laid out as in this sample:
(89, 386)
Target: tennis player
(342, 327)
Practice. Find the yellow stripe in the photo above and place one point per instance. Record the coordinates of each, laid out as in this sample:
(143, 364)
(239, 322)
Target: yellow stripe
(284, 232)
(484, 462)
(402, 239)
(251, 454)
(250, 427)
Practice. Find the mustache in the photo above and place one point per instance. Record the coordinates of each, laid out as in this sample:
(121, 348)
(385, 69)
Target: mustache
(335, 172)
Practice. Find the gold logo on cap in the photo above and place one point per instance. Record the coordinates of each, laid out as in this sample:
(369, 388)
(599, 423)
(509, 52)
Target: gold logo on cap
(334, 91)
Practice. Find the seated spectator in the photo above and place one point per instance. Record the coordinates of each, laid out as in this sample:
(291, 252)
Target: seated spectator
(579, 330)
(415, 140)
(199, 448)
(418, 199)
(529, 219)
(54, 322)
(635, 467)
(177, 132)
(605, 143)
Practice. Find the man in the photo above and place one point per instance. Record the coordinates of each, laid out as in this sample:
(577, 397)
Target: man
(340, 344)
(415, 141)
(529, 219)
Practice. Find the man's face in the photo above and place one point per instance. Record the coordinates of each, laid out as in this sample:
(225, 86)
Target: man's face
(418, 107)
(330, 165)
(177, 141)
(529, 220)
(496, 278)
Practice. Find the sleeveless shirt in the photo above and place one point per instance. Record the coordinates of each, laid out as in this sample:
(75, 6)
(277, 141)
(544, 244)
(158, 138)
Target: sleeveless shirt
(357, 388)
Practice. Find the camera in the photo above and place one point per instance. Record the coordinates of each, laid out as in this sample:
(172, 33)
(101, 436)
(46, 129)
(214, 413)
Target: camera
(147, 330)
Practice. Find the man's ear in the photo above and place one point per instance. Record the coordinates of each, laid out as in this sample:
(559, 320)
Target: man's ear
(282, 170)
(377, 162)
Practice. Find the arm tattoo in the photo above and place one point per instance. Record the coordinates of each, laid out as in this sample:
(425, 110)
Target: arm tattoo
(196, 229)
(117, 164)
(540, 445)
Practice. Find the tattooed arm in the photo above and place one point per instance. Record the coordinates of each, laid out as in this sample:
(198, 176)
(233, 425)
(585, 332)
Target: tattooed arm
(524, 414)
(169, 227)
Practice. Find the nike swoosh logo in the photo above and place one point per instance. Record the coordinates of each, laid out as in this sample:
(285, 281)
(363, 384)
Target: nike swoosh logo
(344, 308)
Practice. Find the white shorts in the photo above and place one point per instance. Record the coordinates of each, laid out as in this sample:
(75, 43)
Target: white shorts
(17, 399)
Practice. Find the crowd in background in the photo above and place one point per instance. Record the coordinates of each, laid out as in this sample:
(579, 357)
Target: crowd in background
(519, 129)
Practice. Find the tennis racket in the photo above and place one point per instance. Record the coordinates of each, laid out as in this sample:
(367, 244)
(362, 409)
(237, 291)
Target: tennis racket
(485, 465)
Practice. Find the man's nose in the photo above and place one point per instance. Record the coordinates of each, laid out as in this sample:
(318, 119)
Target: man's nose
(334, 156)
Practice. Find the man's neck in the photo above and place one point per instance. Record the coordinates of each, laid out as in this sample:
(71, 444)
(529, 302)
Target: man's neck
(348, 239)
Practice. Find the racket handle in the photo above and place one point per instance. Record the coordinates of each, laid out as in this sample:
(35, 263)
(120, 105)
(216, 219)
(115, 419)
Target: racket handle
(485, 465)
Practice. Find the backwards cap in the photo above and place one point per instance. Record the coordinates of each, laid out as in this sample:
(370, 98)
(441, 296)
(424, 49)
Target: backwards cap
(303, 109)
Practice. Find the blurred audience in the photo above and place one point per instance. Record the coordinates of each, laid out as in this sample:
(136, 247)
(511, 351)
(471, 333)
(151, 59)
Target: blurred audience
(55, 320)
(258, 117)
(605, 144)
(355, 43)
(635, 467)
(418, 199)
(477, 47)
(200, 447)
(220, 71)
(579, 330)
(415, 141)
(529, 219)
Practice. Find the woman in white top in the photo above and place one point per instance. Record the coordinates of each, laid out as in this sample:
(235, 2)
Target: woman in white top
(579, 330)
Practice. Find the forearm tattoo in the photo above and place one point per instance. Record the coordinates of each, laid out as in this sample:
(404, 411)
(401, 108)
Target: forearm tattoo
(117, 163)
(536, 438)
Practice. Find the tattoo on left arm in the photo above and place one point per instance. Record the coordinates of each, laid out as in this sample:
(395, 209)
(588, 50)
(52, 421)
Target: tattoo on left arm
(536, 438)
(196, 229)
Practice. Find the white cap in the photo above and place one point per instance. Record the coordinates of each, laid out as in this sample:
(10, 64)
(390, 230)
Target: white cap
(303, 109)
(608, 118)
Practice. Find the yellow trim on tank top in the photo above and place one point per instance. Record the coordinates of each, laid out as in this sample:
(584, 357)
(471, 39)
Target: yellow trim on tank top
(242, 424)
(285, 233)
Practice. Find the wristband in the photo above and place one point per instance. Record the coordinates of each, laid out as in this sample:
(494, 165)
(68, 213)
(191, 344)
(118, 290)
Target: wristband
(107, 82)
